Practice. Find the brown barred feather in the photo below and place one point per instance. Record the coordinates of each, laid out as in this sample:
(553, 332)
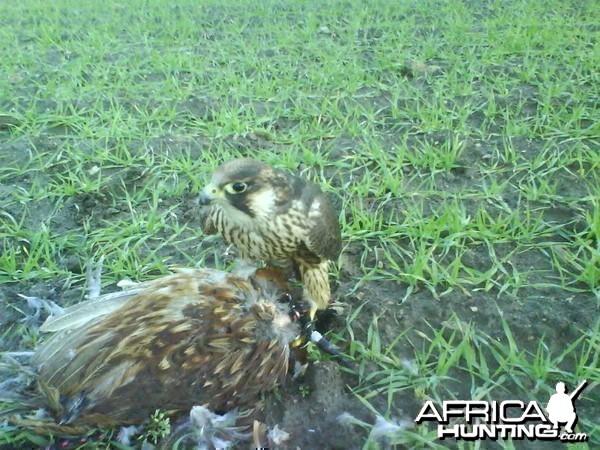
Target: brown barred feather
(196, 337)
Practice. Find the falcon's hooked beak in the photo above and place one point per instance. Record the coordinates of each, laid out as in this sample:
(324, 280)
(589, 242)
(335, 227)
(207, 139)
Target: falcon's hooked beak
(209, 195)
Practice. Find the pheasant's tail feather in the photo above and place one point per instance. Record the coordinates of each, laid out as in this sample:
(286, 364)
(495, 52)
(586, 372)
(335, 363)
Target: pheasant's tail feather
(51, 396)
(47, 427)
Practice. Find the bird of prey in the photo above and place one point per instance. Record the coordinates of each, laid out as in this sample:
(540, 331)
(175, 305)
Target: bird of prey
(272, 215)
(196, 337)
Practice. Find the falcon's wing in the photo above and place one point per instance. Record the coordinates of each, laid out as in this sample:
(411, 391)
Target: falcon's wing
(323, 237)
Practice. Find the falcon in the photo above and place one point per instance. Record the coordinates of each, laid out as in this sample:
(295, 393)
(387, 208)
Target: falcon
(197, 337)
(268, 214)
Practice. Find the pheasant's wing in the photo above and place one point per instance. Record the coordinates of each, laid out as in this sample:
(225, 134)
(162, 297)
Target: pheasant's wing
(79, 315)
(72, 325)
(189, 338)
(103, 345)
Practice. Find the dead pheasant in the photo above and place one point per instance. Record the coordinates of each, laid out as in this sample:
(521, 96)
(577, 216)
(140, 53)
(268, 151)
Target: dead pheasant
(196, 337)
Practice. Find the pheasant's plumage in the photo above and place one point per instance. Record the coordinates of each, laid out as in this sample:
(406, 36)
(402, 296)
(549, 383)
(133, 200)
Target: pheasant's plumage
(197, 337)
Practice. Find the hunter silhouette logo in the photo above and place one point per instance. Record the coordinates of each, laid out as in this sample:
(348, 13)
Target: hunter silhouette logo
(509, 419)
(560, 406)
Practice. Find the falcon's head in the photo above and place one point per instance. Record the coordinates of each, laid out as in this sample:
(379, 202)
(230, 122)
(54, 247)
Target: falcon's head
(247, 189)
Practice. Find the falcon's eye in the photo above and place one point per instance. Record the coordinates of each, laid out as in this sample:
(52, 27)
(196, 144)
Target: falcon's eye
(236, 188)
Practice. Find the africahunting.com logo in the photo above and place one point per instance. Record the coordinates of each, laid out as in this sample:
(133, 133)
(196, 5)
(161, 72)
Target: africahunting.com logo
(510, 419)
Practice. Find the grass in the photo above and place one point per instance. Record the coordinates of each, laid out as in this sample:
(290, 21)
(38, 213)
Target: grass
(459, 141)
(458, 362)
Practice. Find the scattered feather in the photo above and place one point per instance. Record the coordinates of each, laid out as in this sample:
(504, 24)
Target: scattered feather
(299, 370)
(347, 420)
(278, 436)
(340, 308)
(208, 430)
(126, 433)
(94, 278)
(384, 428)
(37, 305)
(410, 366)
(127, 284)
(221, 443)
(383, 431)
